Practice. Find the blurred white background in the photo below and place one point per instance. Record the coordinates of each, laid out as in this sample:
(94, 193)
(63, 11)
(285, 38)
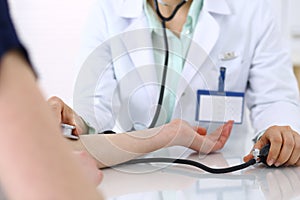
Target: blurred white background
(294, 28)
(51, 30)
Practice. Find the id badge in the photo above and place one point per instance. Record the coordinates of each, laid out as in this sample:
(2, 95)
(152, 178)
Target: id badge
(218, 106)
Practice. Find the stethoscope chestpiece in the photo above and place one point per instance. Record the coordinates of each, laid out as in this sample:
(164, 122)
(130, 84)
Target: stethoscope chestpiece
(262, 155)
(67, 131)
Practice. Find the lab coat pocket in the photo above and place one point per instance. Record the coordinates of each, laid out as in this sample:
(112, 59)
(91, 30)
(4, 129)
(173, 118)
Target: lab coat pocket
(237, 70)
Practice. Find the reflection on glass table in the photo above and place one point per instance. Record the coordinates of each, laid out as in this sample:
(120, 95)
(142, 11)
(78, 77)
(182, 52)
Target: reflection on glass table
(173, 181)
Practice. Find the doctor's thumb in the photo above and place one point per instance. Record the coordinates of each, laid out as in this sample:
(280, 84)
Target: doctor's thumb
(258, 145)
(248, 157)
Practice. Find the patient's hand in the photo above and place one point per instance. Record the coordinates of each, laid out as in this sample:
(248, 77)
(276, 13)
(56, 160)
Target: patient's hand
(89, 166)
(65, 114)
(183, 134)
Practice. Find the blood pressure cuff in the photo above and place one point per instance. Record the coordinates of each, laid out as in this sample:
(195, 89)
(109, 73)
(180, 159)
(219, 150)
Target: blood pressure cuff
(8, 36)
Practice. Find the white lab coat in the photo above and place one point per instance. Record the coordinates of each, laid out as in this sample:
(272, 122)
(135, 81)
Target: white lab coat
(118, 83)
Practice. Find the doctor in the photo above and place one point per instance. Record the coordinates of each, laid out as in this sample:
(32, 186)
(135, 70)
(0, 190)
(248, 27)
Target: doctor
(123, 62)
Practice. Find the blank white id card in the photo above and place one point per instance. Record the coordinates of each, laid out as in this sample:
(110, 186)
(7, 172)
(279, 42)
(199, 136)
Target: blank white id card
(215, 106)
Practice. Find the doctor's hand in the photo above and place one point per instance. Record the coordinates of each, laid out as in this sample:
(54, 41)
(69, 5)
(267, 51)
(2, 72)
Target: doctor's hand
(65, 114)
(197, 139)
(285, 146)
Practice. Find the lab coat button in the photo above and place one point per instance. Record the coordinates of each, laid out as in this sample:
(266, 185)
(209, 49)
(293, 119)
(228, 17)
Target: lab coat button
(187, 31)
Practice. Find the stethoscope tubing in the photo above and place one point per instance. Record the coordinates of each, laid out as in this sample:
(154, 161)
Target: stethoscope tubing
(166, 62)
(193, 163)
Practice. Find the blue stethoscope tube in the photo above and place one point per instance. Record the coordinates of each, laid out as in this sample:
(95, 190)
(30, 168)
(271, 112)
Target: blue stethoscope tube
(164, 75)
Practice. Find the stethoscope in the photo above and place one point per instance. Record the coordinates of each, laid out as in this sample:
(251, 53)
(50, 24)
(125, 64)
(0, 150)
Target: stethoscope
(166, 62)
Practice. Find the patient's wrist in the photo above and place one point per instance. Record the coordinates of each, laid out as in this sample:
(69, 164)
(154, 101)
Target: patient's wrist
(170, 132)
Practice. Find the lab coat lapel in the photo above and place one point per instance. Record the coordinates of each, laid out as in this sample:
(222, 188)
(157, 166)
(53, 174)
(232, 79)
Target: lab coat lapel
(129, 8)
(205, 37)
(137, 40)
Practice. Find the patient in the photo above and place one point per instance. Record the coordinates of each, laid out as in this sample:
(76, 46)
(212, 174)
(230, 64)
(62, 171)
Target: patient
(35, 162)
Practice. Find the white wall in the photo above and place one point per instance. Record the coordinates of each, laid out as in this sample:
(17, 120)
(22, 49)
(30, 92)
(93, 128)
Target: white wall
(294, 26)
(288, 12)
(280, 8)
(295, 17)
(51, 30)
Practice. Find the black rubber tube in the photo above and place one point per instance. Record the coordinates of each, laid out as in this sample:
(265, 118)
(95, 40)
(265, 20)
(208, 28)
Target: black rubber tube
(193, 163)
(166, 62)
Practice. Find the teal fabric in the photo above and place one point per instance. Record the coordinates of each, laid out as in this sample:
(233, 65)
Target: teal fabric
(178, 47)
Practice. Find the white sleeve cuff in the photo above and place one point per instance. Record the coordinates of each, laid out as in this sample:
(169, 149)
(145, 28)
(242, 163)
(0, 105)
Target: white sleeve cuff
(258, 135)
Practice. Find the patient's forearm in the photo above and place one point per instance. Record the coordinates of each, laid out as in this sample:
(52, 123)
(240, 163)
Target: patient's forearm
(112, 149)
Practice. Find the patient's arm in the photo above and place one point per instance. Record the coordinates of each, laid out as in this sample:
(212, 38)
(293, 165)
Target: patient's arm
(35, 161)
(112, 149)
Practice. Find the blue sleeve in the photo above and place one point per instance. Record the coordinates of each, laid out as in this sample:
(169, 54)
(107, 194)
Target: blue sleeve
(8, 36)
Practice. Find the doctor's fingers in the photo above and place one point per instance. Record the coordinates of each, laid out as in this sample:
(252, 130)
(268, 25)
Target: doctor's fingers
(289, 153)
(56, 107)
(63, 113)
(294, 158)
(284, 145)
(271, 136)
(260, 144)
